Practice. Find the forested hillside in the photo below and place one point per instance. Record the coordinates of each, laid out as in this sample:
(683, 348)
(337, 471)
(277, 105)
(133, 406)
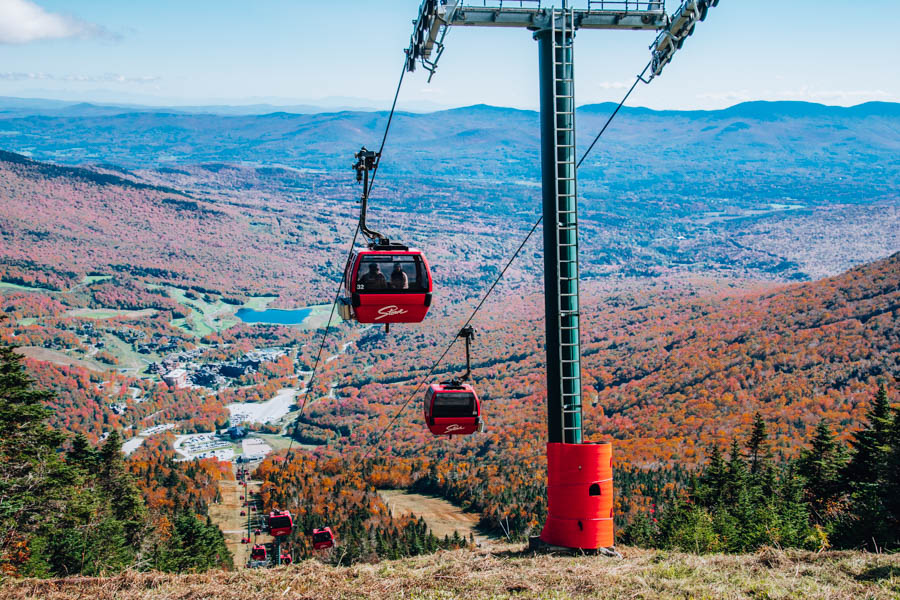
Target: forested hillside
(759, 187)
(667, 367)
(670, 373)
(711, 372)
(69, 507)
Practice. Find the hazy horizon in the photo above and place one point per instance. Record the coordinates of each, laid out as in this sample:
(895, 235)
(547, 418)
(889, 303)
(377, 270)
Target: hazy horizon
(367, 105)
(200, 53)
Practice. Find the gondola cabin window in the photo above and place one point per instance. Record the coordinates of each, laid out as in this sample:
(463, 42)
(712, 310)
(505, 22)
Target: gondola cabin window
(391, 274)
(452, 405)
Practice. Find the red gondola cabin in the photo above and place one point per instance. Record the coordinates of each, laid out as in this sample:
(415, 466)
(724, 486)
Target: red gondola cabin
(452, 409)
(280, 523)
(286, 559)
(388, 284)
(258, 552)
(322, 538)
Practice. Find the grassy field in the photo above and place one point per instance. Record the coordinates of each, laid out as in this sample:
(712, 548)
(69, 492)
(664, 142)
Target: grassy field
(442, 517)
(226, 513)
(513, 572)
(111, 313)
(59, 358)
(128, 358)
(319, 317)
(23, 288)
(205, 317)
(259, 302)
(86, 280)
(89, 279)
(278, 442)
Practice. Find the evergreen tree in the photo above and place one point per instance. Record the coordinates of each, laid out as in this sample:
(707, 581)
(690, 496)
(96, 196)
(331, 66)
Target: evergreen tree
(871, 445)
(89, 541)
(892, 482)
(821, 466)
(741, 506)
(792, 511)
(194, 546)
(34, 482)
(119, 489)
(757, 444)
(641, 531)
(731, 508)
(82, 455)
(710, 486)
(869, 522)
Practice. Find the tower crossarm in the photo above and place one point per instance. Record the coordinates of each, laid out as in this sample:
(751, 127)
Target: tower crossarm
(437, 16)
(540, 19)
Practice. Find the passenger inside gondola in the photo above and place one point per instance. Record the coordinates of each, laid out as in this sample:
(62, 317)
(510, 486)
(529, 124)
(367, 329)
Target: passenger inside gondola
(399, 279)
(374, 279)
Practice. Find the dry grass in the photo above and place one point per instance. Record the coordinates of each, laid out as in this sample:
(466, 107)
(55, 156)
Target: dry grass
(443, 518)
(510, 572)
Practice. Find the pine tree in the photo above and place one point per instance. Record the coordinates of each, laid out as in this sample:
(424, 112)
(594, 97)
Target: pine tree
(892, 483)
(34, 482)
(118, 485)
(757, 444)
(736, 474)
(792, 511)
(870, 445)
(194, 547)
(869, 522)
(82, 454)
(821, 466)
(710, 486)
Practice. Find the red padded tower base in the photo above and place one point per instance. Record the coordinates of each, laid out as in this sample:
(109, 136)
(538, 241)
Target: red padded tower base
(579, 496)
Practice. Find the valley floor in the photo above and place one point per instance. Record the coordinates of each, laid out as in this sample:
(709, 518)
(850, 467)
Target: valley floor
(508, 571)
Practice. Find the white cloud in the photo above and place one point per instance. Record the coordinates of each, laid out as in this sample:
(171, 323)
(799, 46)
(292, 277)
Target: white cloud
(23, 21)
(105, 78)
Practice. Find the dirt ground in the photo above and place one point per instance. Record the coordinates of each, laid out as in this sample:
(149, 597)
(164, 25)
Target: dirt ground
(442, 517)
(226, 513)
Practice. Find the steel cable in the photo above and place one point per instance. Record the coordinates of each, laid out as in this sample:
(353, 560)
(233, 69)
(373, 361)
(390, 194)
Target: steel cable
(434, 366)
(312, 377)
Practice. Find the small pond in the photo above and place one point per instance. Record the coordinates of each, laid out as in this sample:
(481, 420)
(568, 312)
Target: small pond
(274, 316)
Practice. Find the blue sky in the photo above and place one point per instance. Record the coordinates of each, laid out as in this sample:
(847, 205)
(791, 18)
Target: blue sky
(292, 51)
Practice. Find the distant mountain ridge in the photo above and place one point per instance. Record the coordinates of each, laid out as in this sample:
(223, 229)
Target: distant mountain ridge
(10, 105)
(662, 189)
(483, 141)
